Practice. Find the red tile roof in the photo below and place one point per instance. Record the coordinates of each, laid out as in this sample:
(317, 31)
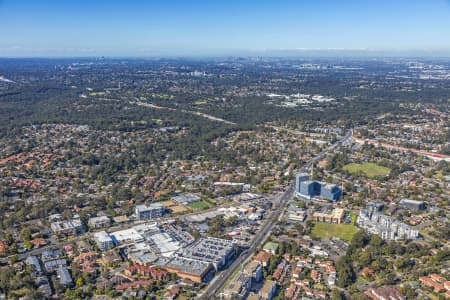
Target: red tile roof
(367, 271)
(384, 292)
(37, 242)
(147, 271)
(438, 287)
(3, 246)
(263, 257)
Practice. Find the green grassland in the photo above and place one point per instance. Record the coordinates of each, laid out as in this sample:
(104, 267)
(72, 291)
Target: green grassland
(199, 205)
(369, 169)
(342, 231)
(161, 96)
(200, 102)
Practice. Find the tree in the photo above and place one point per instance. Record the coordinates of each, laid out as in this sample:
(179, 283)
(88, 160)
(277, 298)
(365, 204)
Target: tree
(273, 263)
(27, 244)
(365, 258)
(86, 278)
(359, 240)
(25, 233)
(389, 279)
(337, 295)
(376, 241)
(404, 263)
(73, 294)
(409, 292)
(358, 296)
(299, 228)
(79, 282)
(345, 273)
(442, 256)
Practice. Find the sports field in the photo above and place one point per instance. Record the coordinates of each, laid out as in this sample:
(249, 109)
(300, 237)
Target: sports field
(200, 205)
(369, 169)
(342, 231)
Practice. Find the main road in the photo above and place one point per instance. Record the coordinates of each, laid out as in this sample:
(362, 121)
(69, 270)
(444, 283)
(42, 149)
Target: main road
(262, 234)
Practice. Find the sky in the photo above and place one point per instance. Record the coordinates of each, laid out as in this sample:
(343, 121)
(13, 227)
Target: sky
(220, 27)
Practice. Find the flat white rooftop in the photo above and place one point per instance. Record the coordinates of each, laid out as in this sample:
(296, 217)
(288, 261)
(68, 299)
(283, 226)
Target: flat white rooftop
(102, 236)
(127, 235)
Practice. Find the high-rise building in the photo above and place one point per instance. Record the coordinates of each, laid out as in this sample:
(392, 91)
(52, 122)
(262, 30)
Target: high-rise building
(330, 192)
(308, 189)
(300, 178)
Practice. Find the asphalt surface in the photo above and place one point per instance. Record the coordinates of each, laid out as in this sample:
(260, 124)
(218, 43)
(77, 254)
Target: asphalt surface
(220, 280)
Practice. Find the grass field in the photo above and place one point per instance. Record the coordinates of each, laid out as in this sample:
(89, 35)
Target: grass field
(353, 216)
(342, 231)
(369, 169)
(200, 205)
(200, 102)
(439, 175)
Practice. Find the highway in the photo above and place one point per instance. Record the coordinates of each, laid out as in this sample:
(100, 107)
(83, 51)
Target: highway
(220, 280)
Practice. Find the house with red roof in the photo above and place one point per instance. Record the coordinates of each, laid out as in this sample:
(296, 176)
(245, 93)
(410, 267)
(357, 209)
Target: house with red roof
(146, 271)
(38, 242)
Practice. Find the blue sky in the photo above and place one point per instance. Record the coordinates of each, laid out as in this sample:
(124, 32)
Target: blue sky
(191, 27)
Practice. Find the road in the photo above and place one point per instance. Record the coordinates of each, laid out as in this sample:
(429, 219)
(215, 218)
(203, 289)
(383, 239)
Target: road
(256, 241)
(262, 234)
(220, 280)
(38, 251)
(193, 112)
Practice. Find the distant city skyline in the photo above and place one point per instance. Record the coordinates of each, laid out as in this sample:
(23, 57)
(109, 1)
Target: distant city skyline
(199, 27)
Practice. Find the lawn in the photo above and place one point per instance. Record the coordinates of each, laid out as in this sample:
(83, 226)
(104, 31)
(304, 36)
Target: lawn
(200, 102)
(439, 175)
(353, 216)
(369, 169)
(199, 205)
(342, 231)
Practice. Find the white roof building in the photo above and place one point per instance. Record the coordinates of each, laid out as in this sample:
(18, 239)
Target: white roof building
(126, 236)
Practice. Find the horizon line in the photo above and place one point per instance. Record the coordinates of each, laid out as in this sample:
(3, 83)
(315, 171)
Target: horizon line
(220, 53)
